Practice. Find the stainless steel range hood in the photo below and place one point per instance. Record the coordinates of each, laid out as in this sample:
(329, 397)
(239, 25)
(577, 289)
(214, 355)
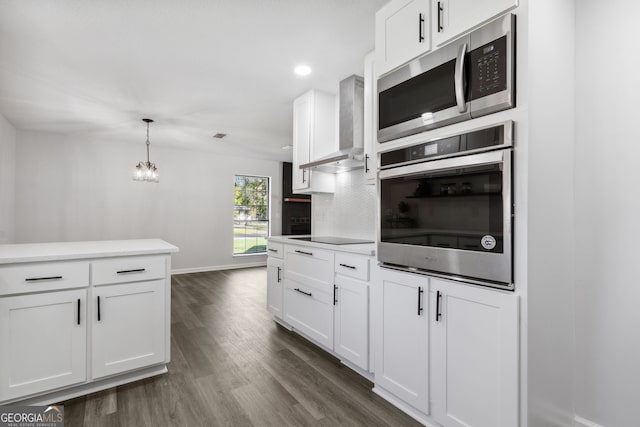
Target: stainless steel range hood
(351, 124)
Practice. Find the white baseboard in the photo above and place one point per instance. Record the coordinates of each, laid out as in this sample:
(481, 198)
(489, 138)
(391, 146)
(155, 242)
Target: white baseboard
(583, 422)
(218, 267)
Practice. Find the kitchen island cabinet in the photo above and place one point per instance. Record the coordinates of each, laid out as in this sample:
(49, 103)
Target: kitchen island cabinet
(99, 311)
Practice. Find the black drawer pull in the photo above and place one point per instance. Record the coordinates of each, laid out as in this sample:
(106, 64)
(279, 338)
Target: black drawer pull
(438, 314)
(303, 292)
(137, 270)
(35, 279)
(420, 309)
(98, 308)
(335, 291)
(304, 253)
(279, 278)
(347, 266)
(273, 250)
(78, 311)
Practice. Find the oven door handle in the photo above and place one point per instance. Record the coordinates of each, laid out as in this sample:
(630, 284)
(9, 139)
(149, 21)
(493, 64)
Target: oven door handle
(480, 159)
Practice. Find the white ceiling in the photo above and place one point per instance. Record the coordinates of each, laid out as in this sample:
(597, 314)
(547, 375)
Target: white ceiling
(197, 67)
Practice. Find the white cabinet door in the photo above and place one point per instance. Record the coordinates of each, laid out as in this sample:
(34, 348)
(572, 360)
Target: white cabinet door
(310, 311)
(474, 356)
(128, 327)
(351, 320)
(43, 342)
(370, 120)
(301, 140)
(402, 334)
(275, 293)
(452, 18)
(402, 33)
(314, 135)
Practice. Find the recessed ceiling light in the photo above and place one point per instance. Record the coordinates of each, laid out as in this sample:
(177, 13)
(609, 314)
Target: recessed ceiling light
(302, 70)
(219, 135)
(287, 147)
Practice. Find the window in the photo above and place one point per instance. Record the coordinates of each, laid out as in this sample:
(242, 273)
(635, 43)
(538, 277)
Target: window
(250, 215)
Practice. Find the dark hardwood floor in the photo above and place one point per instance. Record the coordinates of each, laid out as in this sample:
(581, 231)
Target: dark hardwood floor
(231, 365)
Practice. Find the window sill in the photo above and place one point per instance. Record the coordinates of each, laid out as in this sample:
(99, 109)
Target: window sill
(251, 254)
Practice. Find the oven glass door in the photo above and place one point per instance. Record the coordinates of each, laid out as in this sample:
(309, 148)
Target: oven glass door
(447, 204)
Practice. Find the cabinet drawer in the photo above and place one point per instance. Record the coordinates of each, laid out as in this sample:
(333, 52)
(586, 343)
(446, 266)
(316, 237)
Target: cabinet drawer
(310, 310)
(43, 276)
(353, 266)
(309, 266)
(275, 250)
(129, 269)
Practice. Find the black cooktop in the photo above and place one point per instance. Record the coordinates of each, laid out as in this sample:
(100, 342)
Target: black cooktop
(332, 240)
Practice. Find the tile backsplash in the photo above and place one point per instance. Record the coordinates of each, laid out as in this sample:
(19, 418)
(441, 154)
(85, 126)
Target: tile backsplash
(349, 212)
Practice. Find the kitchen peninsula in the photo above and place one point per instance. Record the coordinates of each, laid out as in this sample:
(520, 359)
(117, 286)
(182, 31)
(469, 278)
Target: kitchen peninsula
(78, 317)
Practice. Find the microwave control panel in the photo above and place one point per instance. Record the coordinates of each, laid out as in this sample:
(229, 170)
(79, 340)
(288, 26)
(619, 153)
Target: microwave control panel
(488, 68)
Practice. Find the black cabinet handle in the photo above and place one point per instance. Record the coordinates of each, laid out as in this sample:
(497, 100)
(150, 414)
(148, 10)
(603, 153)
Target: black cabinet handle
(304, 253)
(335, 294)
(303, 292)
(420, 27)
(136, 270)
(273, 250)
(347, 266)
(366, 163)
(35, 279)
(279, 278)
(420, 292)
(440, 10)
(98, 308)
(78, 311)
(438, 314)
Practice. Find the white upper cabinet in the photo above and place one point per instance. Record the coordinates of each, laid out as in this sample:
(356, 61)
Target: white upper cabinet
(451, 18)
(474, 356)
(402, 33)
(370, 119)
(314, 136)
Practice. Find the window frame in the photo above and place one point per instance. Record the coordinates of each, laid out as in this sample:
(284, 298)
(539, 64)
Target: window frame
(268, 178)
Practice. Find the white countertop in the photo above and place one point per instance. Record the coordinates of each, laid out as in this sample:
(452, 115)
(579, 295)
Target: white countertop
(34, 252)
(368, 249)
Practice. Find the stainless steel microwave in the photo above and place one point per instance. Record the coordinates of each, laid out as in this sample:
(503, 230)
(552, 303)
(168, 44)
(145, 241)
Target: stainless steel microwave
(470, 77)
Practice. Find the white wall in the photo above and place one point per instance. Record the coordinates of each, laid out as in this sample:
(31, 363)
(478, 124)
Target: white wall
(75, 188)
(607, 205)
(349, 212)
(550, 216)
(7, 181)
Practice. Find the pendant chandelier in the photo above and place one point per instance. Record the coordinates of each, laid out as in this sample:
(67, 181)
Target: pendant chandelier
(146, 171)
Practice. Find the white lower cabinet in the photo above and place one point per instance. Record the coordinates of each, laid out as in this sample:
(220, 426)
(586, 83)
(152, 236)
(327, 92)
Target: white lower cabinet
(309, 310)
(128, 327)
(43, 339)
(474, 356)
(351, 320)
(402, 334)
(275, 287)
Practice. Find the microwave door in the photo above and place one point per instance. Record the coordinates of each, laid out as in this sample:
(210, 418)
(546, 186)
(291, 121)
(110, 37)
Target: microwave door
(427, 93)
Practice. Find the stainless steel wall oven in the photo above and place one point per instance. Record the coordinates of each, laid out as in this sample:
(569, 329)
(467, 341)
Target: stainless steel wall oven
(446, 207)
